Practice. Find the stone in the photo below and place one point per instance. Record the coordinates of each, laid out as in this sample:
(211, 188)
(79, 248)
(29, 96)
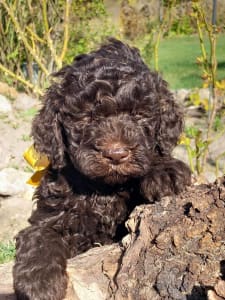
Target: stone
(24, 102)
(210, 175)
(13, 182)
(4, 157)
(180, 152)
(14, 213)
(181, 95)
(5, 105)
(204, 93)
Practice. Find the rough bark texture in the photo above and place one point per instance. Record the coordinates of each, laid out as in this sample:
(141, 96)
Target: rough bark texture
(175, 251)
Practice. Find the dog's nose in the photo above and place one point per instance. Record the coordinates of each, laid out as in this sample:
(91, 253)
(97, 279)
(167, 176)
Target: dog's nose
(116, 154)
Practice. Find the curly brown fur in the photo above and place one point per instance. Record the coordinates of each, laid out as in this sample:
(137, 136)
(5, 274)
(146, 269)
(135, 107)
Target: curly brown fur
(108, 126)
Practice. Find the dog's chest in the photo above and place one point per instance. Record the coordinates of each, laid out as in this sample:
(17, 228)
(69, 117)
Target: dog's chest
(110, 209)
(97, 214)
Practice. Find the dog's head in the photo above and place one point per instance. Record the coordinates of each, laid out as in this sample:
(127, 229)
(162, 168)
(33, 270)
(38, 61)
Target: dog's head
(108, 115)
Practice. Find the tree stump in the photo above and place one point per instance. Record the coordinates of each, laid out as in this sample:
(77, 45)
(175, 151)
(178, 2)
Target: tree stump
(175, 250)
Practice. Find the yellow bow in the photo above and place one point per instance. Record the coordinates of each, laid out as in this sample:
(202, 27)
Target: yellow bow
(39, 162)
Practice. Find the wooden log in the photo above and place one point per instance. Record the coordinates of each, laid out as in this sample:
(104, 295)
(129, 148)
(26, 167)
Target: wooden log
(175, 250)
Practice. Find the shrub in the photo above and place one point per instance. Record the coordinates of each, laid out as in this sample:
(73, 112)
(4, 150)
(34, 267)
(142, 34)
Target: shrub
(38, 37)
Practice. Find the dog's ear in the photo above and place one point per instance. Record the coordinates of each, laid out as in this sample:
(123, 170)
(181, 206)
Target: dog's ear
(47, 133)
(170, 122)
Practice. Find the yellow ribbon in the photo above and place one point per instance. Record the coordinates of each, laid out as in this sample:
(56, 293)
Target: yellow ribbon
(39, 162)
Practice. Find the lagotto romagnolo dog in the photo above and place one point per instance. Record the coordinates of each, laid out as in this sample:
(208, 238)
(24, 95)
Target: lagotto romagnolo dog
(108, 126)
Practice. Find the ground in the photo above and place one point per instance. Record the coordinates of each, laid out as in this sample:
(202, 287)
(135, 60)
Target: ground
(15, 207)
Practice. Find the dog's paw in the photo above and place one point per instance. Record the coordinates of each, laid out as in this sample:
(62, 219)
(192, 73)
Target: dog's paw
(39, 272)
(41, 285)
(166, 179)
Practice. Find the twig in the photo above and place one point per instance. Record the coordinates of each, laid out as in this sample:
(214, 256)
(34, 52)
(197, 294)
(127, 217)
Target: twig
(210, 68)
(23, 37)
(213, 97)
(66, 30)
(34, 35)
(217, 163)
(48, 36)
(200, 35)
(159, 35)
(19, 78)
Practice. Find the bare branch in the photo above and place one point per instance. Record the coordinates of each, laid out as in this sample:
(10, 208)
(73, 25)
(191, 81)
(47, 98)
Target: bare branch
(66, 29)
(22, 80)
(21, 34)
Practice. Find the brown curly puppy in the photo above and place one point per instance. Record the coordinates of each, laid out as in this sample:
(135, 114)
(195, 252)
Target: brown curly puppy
(108, 126)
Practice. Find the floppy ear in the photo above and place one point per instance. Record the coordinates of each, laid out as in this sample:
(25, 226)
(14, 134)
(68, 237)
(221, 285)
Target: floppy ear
(170, 121)
(47, 133)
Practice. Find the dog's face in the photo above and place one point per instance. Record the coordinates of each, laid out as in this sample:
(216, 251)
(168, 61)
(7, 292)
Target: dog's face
(112, 138)
(109, 116)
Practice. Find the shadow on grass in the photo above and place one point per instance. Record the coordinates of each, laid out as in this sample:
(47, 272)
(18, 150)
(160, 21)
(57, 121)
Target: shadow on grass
(221, 65)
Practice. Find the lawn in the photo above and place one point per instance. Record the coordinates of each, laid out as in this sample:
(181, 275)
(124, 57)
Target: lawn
(177, 61)
(7, 252)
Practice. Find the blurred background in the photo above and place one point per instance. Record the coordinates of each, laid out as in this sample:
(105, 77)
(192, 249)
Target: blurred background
(38, 37)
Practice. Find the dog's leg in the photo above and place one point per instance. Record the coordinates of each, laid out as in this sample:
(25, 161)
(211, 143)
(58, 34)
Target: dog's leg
(40, 267)
(168, 177)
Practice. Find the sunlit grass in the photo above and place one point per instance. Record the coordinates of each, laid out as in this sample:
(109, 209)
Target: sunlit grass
(7, 252)
(177, 61)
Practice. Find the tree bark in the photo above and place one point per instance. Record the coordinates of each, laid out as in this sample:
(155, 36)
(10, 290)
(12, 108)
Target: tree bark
(175, 250)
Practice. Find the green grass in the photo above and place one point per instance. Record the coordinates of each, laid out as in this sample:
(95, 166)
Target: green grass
(29, 113)
(177, 61)
(7, 252)
(26, 137)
